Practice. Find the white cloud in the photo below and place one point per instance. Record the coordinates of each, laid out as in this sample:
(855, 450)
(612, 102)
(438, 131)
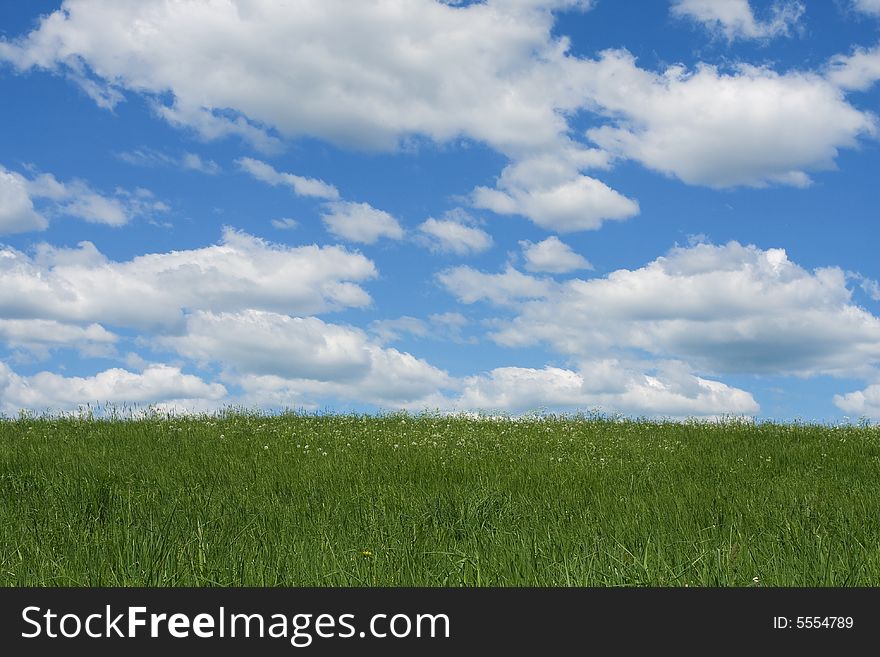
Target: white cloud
(148, 157)
(156, 290)
(863, 403)
(449, 322)
(548, 189)
(95, 208)
(420, 67)
(609, 386)
(194, 162)
(300, 185)
(17, 213)
(582, 203)
(858, 71)
(272, 356)
(356, 222)
(285, 223)
(870, 286)
(452, 235)
(74, 199)
(868, 6)
(48, 391)
(360, 222)
(281, 361)
(663, 388)
(736, 20)
(725, 309)
(489, 71)
(258, 342)
(85, 254)
(77, 199)
(492, 71)
(439, 326)
(750, 127)
(552, 256)
(469, 285)
(39, 336)
(392, 330)
(397, 382)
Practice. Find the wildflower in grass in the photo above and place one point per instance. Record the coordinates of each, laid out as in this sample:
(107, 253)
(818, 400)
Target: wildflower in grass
(367, 554)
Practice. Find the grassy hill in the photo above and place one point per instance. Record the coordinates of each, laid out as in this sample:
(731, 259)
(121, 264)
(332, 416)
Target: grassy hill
(294, 500)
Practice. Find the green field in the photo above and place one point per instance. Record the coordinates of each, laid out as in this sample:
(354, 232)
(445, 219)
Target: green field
(296, 500)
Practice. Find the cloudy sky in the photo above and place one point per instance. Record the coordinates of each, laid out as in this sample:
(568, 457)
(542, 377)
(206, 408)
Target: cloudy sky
(664, 208)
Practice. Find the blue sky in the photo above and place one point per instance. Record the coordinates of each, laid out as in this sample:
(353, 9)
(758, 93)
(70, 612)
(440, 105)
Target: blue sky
(656, 209)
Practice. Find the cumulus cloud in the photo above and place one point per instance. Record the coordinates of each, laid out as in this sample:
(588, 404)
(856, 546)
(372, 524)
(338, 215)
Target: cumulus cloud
(753, 126)
(549, 189)
(470, 285)
(49, 391)
(259, 342)
(724, 309)
(210, 306)
(276, 354)
(300, 185)
(17, 213)
(155, 290)
(583, 203)
(420, 67)
(494, 72)
(360, 222)
(355, 222)
(453, 235)
(19, 196)
(609, 386)
(856, 72)
(552, 256)
(491, 72)
(398, 392)
(667, 389)
(38, 336)
(78, 199)
(736, 20)
(863, 403)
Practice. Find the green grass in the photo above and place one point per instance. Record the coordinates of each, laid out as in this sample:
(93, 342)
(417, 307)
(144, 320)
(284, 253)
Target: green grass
(295, 500)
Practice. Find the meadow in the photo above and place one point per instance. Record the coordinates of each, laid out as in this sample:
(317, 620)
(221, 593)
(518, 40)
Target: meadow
(245, 499)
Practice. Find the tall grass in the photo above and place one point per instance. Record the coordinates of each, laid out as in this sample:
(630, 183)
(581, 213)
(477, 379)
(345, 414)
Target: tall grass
(295, 500)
